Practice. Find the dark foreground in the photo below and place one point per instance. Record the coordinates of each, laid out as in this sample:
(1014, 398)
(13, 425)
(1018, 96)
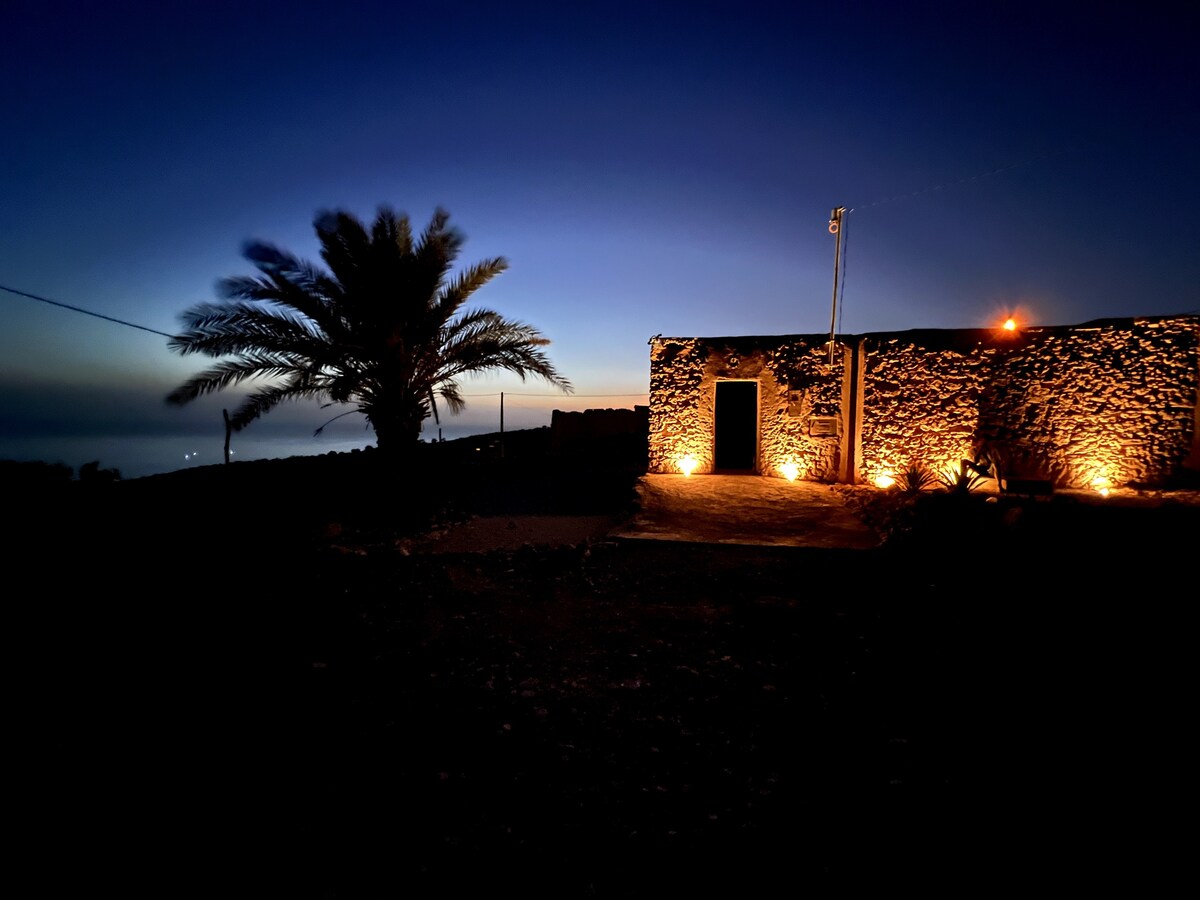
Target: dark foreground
(242, 686)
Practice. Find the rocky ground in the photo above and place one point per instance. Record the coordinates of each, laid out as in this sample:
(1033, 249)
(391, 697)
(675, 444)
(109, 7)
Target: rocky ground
(252, 684)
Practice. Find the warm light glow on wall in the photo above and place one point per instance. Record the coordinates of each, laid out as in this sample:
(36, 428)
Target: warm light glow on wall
(787, 455)
(884, 480)
(688, 464)
(1106, 466)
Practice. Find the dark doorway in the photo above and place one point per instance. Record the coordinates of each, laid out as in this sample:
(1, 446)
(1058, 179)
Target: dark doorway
(735, 434)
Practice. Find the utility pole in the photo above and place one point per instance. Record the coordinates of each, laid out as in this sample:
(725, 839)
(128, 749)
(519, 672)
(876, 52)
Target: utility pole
(502, 424)
(835, 228)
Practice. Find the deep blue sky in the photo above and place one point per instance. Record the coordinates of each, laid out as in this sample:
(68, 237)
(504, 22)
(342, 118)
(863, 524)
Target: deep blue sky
(645, 168)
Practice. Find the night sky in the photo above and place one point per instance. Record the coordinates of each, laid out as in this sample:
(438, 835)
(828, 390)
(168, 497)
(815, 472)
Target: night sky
(645, 168)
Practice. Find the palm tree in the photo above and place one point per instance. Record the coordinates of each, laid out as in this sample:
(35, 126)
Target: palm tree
(384, 330)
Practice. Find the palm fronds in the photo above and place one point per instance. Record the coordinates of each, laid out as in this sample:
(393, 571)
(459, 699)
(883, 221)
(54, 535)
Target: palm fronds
(383, 330)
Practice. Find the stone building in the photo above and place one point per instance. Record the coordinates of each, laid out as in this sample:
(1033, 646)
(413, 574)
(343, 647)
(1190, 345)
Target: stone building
(1112, 401)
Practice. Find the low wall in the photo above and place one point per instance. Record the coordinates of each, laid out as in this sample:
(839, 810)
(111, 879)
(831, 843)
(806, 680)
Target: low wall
(602, 435)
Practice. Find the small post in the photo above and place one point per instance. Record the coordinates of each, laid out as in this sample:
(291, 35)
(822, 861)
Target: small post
(502, 424)
(228, 431)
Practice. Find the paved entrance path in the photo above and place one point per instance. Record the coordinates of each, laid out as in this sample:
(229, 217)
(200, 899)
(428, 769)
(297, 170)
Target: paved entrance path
(745, 509)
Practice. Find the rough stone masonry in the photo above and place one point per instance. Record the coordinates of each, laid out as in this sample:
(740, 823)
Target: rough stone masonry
(1110, 401)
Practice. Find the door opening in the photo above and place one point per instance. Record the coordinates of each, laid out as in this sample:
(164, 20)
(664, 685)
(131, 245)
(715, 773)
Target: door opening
(735, 431)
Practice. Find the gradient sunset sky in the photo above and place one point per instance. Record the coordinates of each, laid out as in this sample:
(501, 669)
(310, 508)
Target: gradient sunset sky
(649, 168)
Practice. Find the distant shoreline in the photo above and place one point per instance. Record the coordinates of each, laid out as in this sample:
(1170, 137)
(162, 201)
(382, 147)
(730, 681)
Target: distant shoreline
(108, 453)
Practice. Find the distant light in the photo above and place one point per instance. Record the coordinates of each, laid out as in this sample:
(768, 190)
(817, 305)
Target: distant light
(688, 464)
(1010, 325)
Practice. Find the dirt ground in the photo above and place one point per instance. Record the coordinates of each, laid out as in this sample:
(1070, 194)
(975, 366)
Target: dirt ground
(234, 683)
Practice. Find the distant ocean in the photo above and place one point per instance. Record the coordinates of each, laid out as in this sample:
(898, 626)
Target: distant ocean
(154, 452)
(136, 456)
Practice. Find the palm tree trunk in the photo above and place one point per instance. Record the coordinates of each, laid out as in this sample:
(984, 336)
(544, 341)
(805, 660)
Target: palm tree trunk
(397, 436)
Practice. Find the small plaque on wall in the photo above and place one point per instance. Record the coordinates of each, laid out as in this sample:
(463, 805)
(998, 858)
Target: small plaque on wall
(823, 426)
(795, 403)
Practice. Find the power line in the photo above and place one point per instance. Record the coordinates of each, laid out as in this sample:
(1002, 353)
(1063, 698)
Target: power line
(840, 278)
(86, 312)
(512, 394)
(977, 177)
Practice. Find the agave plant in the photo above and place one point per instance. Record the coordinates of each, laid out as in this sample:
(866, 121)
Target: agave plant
(963, 478)
(914, 479)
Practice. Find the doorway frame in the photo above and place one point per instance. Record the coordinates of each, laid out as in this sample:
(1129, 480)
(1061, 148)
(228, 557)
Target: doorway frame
(755, 467)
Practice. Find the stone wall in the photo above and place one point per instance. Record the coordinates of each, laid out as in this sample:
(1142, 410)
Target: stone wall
(1112, 400)
(681, 422)
(608, 436)
(799, 398)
